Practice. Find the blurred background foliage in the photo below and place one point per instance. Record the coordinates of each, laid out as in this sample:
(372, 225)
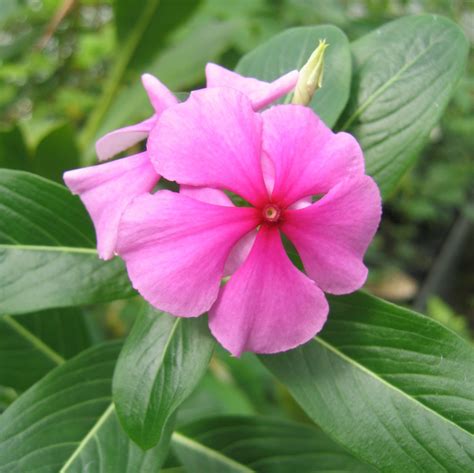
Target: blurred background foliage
(69, 72)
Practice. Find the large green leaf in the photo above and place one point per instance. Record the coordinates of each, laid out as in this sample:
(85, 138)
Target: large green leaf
(13, 150)
(33, 344)
(291, 49)
(216, 394)
(47, 255)
(405, 73)
(7, 396)
(161, 363)
(56, 153)
(251, 444)
(66, 423)
(152, 24)
(393, 386)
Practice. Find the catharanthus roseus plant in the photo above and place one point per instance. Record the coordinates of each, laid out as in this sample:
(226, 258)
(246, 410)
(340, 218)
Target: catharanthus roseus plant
(177, 246)
(234, 221)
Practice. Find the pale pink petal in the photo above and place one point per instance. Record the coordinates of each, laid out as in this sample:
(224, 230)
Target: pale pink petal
(239, 253)
(268, 173)
(160, 96)
(268, 305)
(308, 157)
(211, 140)
(206, 194)
(120, 140)
(107, 189)
(332, 235)
(302, 203)
(260, 93)
(175, 249)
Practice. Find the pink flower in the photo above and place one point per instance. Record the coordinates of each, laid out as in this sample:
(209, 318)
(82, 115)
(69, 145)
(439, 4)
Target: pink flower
(177, 247)
(107, 189)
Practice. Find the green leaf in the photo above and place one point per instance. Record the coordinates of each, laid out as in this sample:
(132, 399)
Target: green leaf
(251, 444)
(291, 49)
(13, 150)
(163, 360)
(56, 153)
(405, 73)
(66, 423)
(394, 387)
(7, 396)
(164, 16)
(33, 344)
(215, 395)
(249, 376)
(47, 255)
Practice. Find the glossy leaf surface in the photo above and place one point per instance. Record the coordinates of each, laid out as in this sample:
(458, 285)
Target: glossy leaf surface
(67, 423)
(253, 444)
(47, 254)
(163, 360)
(393, 386)
(404, 75)
(33, 344)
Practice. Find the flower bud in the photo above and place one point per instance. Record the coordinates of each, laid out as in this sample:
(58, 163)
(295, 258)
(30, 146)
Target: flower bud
(311, 76)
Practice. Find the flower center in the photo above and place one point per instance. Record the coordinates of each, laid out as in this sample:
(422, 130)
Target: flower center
(271, 213)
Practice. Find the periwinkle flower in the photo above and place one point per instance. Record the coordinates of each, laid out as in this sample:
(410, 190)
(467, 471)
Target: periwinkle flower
(179, 246)
(107, 189)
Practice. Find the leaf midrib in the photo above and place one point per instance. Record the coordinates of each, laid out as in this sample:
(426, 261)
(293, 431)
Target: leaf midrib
(59, 360)
(169, 341)
(384, 87)
(176, 437)
(31, 338)
(374, 375)
(90, 435)
(45, 248)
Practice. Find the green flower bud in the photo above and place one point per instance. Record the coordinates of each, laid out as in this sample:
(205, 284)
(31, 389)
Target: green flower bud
(311, 76)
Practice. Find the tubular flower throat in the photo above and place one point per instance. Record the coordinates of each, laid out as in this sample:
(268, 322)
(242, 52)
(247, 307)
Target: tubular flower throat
(178, 246)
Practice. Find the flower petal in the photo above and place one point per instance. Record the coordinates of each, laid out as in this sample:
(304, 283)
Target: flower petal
(308, 157)
(242, 248)
(107, 189)
(268, 305)
(302, 203)
(260, 93)
(120, 140)
(239, 253)
(206, 194)
(211, 140)
(175, 248)
(160, 96)
(332, 235)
